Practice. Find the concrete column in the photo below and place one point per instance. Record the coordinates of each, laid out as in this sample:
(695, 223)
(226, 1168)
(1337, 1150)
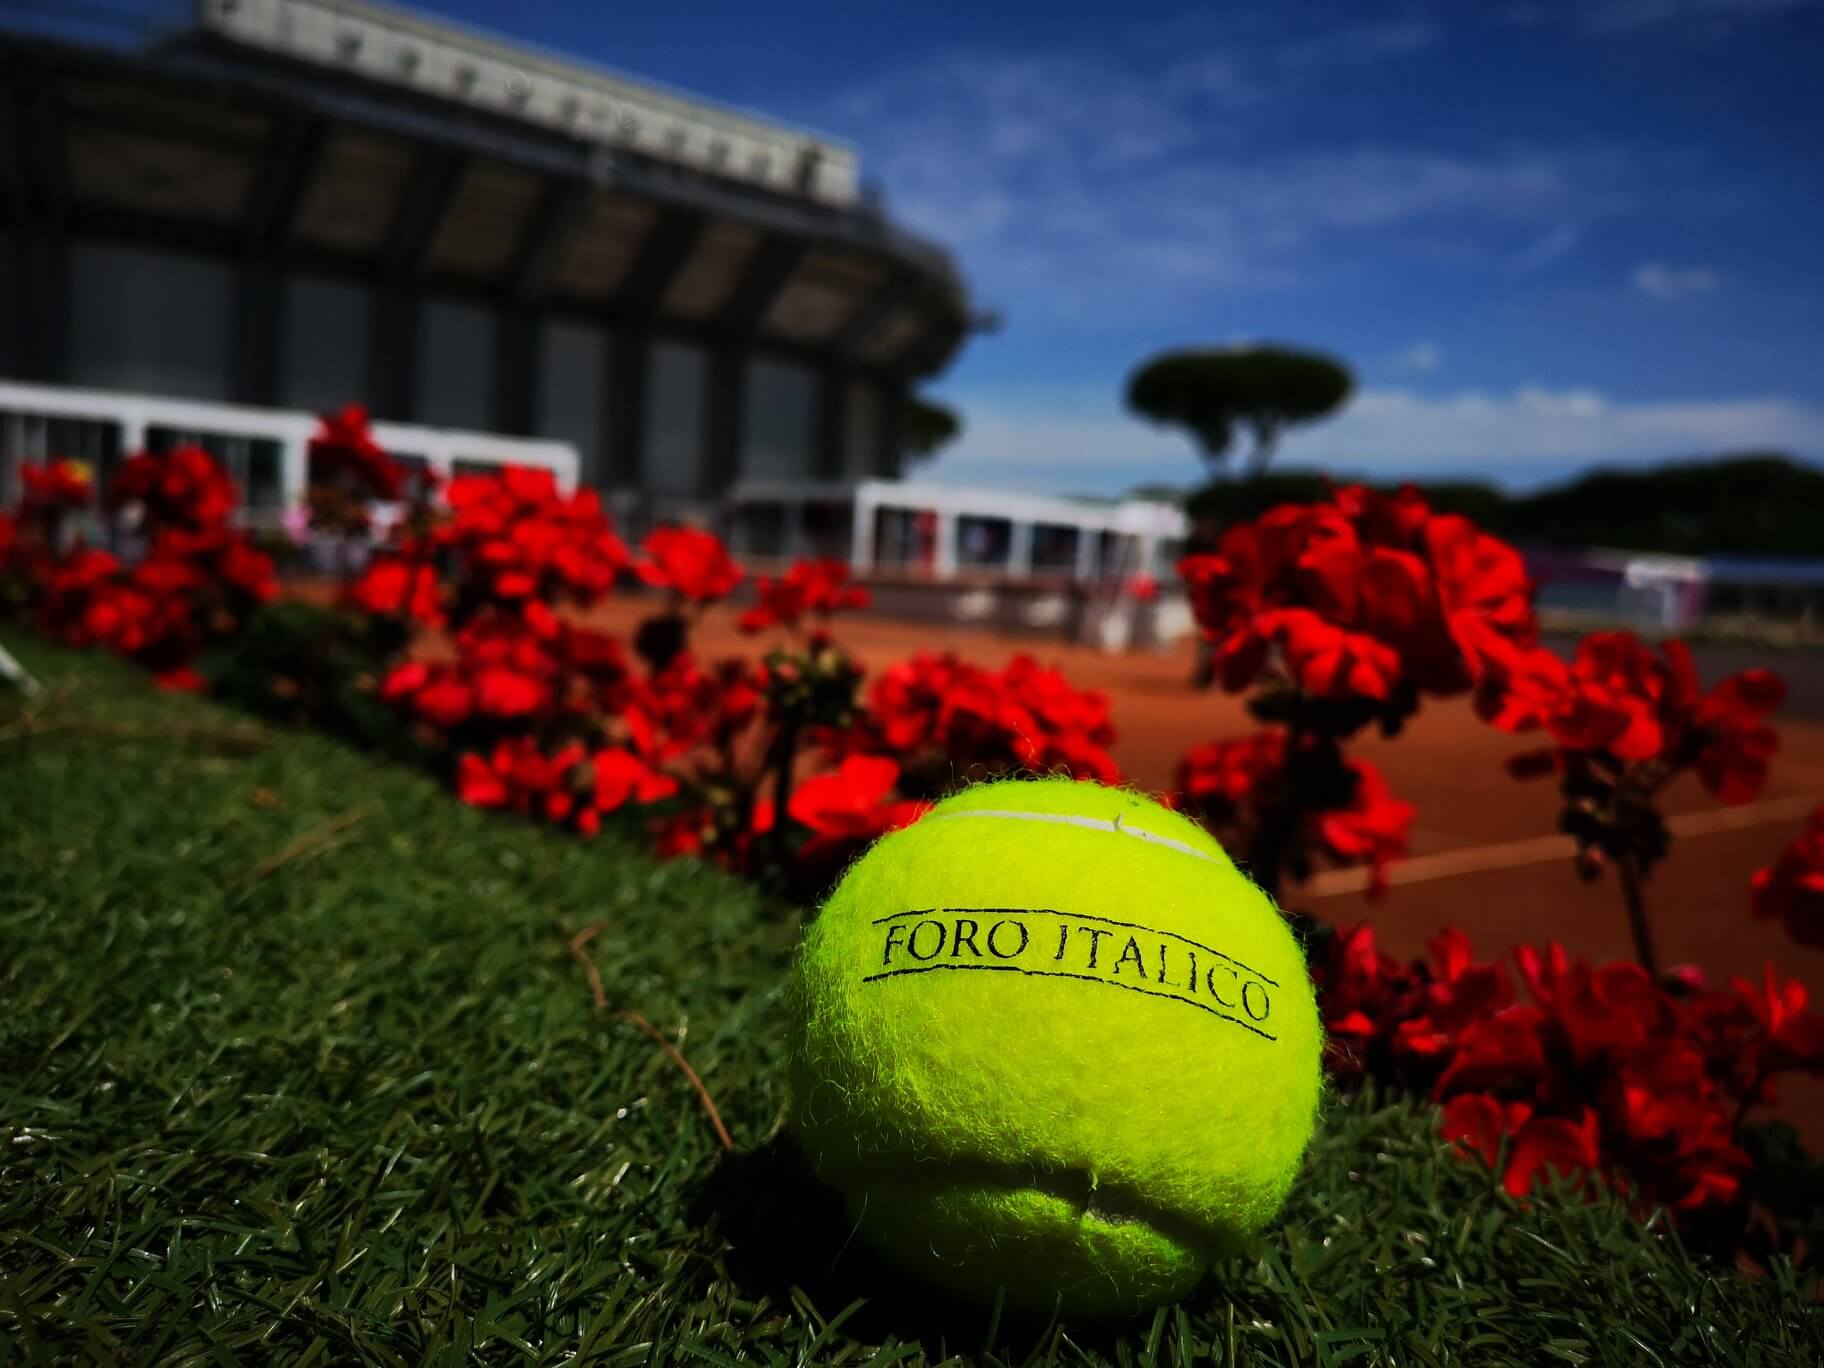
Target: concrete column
(944, 557)
(1019, 551)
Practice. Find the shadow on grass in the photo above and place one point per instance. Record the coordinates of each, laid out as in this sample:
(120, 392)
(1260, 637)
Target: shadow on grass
(786, 1230)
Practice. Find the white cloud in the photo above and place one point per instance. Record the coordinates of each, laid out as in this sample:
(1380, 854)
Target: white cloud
(1672, 282)
(1056, 441)
(1560, 242)
(1422, 356)
(1135, 181)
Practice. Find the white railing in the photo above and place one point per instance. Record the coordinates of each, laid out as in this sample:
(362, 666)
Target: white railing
(265, 449)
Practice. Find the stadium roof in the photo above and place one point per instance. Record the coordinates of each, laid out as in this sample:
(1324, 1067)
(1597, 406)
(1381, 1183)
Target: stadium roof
(368, 141)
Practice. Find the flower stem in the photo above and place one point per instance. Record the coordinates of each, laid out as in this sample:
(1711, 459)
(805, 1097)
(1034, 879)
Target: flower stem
(1627, 868)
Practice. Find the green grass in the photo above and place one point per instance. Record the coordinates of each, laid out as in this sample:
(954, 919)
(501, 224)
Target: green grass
(357, 1104)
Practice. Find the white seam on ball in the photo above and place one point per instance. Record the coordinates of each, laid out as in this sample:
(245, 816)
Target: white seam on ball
(1072, 819)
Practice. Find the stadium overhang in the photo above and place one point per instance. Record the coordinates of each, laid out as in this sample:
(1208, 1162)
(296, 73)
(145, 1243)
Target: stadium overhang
(421, 158)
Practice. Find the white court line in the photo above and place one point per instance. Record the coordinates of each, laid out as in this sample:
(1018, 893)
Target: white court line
(1544, 849)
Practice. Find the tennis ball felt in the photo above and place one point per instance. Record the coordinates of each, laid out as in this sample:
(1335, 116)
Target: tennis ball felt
(1050, 1039)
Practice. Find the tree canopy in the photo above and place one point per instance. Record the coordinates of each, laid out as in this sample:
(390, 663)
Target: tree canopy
(1756, 503)
(927, 425)
(1212, 391)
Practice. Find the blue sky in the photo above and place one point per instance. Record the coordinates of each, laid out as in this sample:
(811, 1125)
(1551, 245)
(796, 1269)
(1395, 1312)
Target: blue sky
(1545, 235)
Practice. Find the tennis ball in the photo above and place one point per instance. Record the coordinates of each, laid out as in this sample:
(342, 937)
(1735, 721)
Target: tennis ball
(1049, 1039)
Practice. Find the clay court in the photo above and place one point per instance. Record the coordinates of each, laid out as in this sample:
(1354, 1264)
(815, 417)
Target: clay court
(1485, 855)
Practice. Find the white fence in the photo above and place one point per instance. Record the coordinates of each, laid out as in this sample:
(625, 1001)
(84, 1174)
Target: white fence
(264, 449)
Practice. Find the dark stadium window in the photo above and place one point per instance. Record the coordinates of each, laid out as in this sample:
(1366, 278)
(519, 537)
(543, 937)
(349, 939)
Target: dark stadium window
(904, 537)
(759, 530)
(265, 475)
(1054, 548)
(829, 531)
(983, 542)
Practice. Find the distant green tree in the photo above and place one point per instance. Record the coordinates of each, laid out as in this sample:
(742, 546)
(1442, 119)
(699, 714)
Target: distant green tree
(1212, 391)
(1755, 503)
(926, 425)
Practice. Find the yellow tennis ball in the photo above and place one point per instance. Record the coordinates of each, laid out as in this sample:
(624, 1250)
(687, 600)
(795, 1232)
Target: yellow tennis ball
(1049, 1039)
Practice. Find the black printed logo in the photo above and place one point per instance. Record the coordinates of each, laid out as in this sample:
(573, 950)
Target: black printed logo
(1043, 943)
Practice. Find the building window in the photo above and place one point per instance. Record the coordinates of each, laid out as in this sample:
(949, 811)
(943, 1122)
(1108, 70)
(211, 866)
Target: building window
(456, 365)
(1054, 549)
(676, 386)
(905, 537)
(983, 543)
(780, 437)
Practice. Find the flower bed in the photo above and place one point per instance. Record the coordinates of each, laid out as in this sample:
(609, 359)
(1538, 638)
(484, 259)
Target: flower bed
(780, 764)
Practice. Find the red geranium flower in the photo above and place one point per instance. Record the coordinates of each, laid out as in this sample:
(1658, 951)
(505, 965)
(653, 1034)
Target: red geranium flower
(184, 488)
(343, 449)
(394, 586)
(1372, 830)
(1792, 888)
(850, 806)
(810, 588)
(689, 562)
(58, 484)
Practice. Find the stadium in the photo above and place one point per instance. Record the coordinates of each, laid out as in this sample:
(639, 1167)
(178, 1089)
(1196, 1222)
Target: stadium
(284, 206)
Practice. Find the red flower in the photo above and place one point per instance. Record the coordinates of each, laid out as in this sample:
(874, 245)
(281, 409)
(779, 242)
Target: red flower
(1026, 716)
(810, 588)
(690, 562)
(446, 701)
(1480, 1121)
(478, 784)
(850, 806)
(622, 777)
(1792, 888)
(1548, 1145)
(1361, 595)
(1793, 1034)
(1222, 775)
(184, 488)
(516, 538)
(1736, 742)
(392, 586)
(57, 484)
(1502, 1048)
(1372, 830)
(343, 450)
(182, 680)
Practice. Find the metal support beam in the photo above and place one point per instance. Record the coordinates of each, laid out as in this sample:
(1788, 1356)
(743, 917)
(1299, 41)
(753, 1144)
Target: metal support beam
(888, 453)
(517, 372)
(766, 275)
(629, 367)
(834, 383)
(405, 257)
(38, 204)
(286, 166)
(897, 289)
(559, 214)
(669, 243)
(516, 369)
(724, 420)
(725, 425)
